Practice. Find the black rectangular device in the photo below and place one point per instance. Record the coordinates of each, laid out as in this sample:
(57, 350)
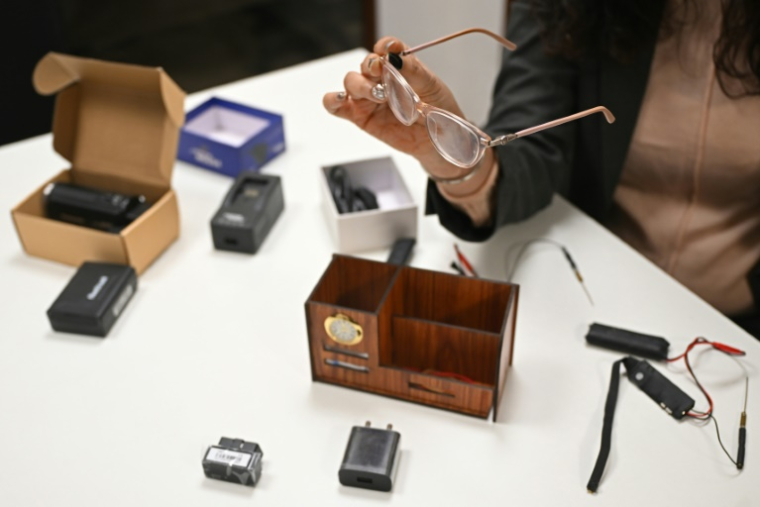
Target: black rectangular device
(234, 460)
(371, 458)
(401, 251)
(93, 299)
(248, 212)
(629, 342)
(662, 391)
(89, 207)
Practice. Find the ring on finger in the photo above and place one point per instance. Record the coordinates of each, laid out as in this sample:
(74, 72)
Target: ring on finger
(378, 92)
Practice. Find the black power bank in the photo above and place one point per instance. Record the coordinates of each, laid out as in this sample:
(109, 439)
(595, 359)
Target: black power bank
(628, 342)
(93, 299)
(248, 213)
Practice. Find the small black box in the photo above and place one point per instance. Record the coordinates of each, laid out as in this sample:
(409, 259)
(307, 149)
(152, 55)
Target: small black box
(371, 458)
(248, 212)
(234, 460)
(93, 299)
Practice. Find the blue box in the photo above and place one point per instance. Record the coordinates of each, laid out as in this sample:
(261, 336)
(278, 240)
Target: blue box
(229, 138)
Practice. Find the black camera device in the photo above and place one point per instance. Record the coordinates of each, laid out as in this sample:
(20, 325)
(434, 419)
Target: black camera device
(248, 212)
(89, 207)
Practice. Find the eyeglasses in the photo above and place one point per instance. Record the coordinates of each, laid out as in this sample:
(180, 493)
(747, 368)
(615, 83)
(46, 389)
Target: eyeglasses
(457, 140)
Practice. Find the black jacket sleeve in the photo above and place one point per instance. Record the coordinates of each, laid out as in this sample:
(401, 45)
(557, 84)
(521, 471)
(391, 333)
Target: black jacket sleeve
(532, 88)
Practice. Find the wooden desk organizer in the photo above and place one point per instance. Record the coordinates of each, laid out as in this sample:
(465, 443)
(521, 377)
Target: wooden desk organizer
(423, 336)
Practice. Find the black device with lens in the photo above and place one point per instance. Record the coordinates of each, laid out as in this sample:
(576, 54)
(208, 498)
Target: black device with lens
(248, 213)
(348, 198)
(90, 207)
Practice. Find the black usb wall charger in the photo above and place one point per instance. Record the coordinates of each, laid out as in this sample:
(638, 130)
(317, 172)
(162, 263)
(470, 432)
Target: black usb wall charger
(371, 458)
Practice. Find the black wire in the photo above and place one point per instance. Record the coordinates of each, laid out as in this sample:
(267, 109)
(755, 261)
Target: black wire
(704, 391)
(609, 416)
(717, 432)
(706, 416)
(525, 245)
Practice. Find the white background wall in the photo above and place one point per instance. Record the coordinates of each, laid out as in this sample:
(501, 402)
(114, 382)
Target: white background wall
(468, 65)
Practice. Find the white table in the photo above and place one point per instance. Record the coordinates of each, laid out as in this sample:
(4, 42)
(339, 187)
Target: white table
(214, 344)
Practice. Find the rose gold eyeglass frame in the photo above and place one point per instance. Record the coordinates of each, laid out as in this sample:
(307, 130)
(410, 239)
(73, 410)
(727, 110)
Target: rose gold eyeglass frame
(422, 109)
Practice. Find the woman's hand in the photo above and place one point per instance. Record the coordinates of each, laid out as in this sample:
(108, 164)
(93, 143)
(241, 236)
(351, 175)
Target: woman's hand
(358, 105)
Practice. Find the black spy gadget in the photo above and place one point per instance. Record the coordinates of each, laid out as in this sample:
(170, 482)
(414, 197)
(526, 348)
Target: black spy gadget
(248, 213)
(93, 299)
(628, 342)
(234, 460)
(662, 391)
(89, 207)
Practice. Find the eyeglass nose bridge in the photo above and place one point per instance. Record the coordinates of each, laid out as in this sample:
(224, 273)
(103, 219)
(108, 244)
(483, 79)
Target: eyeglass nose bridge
(422, 109)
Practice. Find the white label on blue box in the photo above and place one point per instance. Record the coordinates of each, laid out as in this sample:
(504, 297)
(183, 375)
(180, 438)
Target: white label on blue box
(203, 156)
(228, 457)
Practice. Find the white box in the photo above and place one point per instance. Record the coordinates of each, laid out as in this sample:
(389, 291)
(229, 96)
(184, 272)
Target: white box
(371, 229)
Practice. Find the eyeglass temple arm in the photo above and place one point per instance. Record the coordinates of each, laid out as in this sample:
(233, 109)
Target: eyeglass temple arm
(502, 140)
(501, 40)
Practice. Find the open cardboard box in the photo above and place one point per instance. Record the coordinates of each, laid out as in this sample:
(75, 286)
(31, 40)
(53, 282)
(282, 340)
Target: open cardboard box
(119, 126)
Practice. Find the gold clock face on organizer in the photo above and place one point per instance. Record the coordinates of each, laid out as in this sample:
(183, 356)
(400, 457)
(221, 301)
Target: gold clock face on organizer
(341, 329)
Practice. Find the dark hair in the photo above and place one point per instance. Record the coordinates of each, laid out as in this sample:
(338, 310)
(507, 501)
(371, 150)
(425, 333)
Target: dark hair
(621, 28)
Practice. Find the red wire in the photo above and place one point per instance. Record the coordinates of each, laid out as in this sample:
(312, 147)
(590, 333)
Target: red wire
(704, 391)
(716, 345)
(697, 341)
(465, 263)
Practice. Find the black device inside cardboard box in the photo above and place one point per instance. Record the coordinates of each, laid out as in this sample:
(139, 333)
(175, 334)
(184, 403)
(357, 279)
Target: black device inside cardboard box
(89, 207)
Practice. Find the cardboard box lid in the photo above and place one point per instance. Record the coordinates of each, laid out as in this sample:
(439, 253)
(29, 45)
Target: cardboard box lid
(113, 119)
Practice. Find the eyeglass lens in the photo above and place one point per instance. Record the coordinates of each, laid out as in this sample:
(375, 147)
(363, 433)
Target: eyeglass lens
(455, 142)
(400, 100)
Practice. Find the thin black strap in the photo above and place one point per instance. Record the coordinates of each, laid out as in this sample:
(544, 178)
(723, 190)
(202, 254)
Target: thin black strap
(609, 414)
